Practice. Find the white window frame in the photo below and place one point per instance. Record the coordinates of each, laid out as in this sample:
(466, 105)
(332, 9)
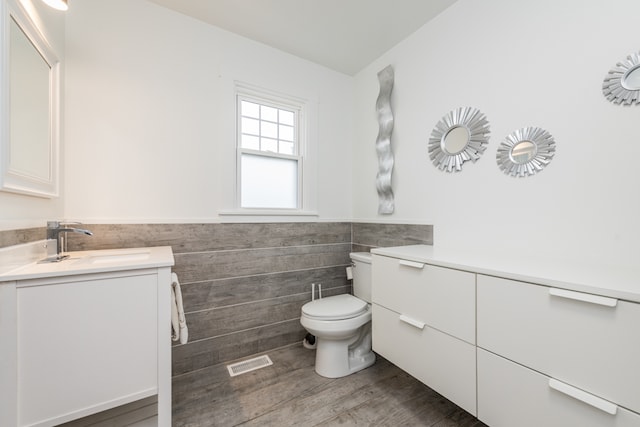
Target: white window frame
(305, 184)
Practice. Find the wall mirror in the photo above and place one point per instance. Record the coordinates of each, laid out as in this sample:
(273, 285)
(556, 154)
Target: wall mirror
(30, 107)
(525, 152)
(458, 137)
(622, 84)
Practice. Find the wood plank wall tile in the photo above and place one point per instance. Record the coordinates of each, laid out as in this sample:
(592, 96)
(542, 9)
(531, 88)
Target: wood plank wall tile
(18, 237)
(217, 293)
(188, 238)
(254, 314)
(366, 236)
(200, 266)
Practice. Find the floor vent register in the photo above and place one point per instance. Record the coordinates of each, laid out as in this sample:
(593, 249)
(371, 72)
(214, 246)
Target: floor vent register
(249, 365)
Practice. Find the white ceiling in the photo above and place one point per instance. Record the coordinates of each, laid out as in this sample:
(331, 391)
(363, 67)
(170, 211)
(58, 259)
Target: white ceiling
(345, 35)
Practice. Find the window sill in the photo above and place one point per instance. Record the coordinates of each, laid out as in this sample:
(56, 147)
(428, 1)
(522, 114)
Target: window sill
(267, 212)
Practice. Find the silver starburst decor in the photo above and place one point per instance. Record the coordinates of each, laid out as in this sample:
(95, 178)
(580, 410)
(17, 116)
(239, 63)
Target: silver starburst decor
(460, 136)
(525, 152)
(622, 84)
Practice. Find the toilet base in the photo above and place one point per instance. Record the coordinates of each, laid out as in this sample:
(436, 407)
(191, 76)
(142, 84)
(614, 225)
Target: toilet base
(339, 358)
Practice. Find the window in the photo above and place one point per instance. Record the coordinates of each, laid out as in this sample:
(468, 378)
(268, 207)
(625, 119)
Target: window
(269, 147)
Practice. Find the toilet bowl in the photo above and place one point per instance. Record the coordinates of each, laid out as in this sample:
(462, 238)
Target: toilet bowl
(342, 326)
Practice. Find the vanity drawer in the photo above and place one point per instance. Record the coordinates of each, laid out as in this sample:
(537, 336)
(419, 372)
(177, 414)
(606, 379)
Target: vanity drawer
(588, 341)
(512, 395)
(443, 298)
(444, 363)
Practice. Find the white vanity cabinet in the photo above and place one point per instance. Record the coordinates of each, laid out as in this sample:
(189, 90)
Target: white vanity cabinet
(533, 342)
(78, 342)
(424, 322)
(572, 357)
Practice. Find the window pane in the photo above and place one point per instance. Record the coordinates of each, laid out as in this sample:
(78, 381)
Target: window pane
(250, 109)
(286, 148)
(250, 126)
(286, 133)
(286, 117)
(269, 130)
(267, 144)
(250, 142)
(269, 113)
(269, 182)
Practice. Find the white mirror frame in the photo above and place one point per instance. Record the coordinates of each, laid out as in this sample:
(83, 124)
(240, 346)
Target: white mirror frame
(545, 148)
(614, 87)
(477, 127)
(11, 179)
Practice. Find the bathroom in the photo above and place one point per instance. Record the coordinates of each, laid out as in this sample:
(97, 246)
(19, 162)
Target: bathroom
(147, 153)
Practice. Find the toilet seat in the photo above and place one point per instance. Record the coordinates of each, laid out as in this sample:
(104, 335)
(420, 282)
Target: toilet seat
(338, 307)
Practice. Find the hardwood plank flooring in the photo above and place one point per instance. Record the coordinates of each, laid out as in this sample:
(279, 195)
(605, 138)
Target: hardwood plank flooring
(290, 393)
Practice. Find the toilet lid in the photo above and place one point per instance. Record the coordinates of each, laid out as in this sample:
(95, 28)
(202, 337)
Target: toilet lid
(337, 307)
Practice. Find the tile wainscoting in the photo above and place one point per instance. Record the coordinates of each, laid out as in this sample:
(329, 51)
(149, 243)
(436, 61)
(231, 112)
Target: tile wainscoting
(366, 236)
(18, 237)
(243, 283)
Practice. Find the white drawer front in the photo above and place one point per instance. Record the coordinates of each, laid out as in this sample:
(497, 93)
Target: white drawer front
(444, 363)
(443, 298)
(592, 343)
(512, 395)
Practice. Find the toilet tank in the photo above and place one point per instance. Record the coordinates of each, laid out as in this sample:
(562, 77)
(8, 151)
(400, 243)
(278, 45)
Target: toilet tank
(361, 275)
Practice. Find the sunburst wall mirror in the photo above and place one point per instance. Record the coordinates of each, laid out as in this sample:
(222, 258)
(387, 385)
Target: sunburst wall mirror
(460, 136)
(622, 83)
(525, 152)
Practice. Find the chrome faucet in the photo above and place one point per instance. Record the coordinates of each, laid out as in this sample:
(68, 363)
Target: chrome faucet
(54, 232)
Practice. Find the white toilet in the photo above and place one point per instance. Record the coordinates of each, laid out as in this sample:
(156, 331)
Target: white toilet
(342, 325)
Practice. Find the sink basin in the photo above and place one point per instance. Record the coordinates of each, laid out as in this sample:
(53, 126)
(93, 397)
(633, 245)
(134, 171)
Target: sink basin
(118, 257)
(16, 265)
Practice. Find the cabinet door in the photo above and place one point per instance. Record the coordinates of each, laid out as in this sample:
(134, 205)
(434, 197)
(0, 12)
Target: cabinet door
(444, 363)
(585, 340)
(443, 298)
(85, 346)
(511, 395)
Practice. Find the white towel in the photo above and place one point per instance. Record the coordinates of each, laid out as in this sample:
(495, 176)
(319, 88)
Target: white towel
(178, 321)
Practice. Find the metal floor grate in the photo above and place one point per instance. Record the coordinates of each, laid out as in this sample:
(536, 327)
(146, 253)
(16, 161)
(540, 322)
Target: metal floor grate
(249, 365)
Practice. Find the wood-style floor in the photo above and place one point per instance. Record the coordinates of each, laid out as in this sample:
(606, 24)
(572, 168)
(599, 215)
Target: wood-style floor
(290, 393)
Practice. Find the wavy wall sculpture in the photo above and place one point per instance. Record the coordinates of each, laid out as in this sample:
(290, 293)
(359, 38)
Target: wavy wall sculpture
(383, 142)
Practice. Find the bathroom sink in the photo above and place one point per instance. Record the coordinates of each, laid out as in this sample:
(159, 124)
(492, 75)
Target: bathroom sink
(82, 262)
(118, 257)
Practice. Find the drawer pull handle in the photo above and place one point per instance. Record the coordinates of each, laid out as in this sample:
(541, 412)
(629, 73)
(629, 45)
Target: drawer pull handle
(411, 264)
(579, 296)
(412, 322)
(583, 396)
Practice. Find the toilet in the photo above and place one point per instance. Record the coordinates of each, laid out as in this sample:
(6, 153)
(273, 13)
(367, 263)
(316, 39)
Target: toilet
(342, 325)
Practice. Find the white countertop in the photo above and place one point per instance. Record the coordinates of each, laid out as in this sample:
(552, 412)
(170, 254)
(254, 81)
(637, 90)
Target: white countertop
(622, 282)
(90, 262)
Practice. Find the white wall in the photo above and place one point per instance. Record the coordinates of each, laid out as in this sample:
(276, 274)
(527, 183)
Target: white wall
(150, 123)
(534, 63)
(151, 114)
(17, 210)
